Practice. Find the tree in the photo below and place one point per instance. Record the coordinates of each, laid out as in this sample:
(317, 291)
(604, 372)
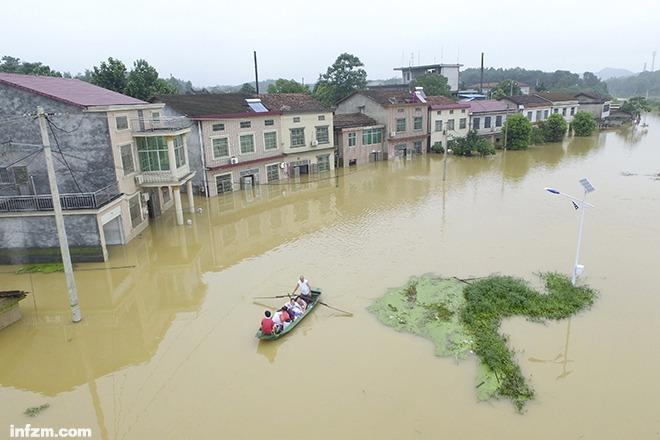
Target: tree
(554, 128)
(287, 86)
(247, 88)
(635, 106)
(340, 80)
(583, 124)
(472, 143)
(111, 75)
(10, 64)
(518, 131)
(507, 87)
(143, 82)
(433, 83)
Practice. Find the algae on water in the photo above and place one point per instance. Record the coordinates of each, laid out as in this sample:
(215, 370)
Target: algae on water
(462, 319)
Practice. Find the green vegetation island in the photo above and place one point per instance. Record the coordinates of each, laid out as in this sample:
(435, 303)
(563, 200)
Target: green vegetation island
(463, 318)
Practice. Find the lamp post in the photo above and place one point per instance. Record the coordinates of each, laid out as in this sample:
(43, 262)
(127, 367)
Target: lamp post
(577, 204)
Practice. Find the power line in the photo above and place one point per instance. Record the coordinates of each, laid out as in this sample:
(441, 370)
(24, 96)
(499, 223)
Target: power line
(75, 181)
(22, 159)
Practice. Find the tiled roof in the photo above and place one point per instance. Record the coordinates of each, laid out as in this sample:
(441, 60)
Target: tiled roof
(70, 91)
(493, 84)
(487, 106)
(389, 96)
(291, 102)
(442, 102)
(593, 96)
(349, 120)
(216, 104)
(529, 100)
(557, 96)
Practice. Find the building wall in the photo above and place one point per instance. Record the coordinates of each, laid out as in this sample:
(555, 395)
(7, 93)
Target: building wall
(361, 104)
(308, 121)
(360, 153)
(565, 108)
(482, 130)
(451, 73)
(596, 109)
(445, 115)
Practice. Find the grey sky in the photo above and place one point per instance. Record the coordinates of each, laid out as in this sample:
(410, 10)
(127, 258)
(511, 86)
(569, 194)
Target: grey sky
(211, 42)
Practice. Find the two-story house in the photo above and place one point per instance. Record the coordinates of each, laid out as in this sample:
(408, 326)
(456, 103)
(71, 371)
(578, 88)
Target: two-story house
(307, 137)
(358, 139)
(447, 119)
(118, 161)
(564, 104)
(488, 117)
(594, 103)
(533, 107)
(403, 114)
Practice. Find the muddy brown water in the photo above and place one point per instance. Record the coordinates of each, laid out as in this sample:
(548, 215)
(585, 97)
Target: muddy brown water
(167, 349)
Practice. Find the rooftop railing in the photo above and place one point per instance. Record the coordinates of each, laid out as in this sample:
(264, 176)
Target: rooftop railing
(150, 125)
(44, 202)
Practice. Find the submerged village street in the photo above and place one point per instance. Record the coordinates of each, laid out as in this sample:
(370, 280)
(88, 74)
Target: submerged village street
(166, 348)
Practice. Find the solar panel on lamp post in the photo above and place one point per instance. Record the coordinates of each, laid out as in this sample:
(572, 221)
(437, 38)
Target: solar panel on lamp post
(582, 205)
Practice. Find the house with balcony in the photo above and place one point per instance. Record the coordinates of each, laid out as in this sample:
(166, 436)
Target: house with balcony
(564, 104)
(488, 117)
(535, 108)
(359, 139)
(402, 113)
(594, 103)
(306, 133)
(240, 140)
(117, 160)
(447, 119)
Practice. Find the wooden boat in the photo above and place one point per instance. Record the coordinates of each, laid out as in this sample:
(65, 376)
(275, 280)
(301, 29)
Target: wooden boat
(316, 293)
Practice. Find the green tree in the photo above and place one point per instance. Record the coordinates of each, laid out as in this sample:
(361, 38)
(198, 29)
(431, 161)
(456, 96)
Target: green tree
(554, 128)
(470, 144)
(518, 131)
(143, 82)
(635, 106)
(345, 76)
(10, 64)
(507, 87)
(434, 84)
(583, 124)
(111, 75)
(247, 88)
(287, 86)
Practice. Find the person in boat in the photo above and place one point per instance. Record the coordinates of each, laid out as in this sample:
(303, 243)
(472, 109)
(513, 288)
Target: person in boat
(294, 309)
(301, 303)
(305, 290)
(277, 320)
(285, 317)
(267, 324)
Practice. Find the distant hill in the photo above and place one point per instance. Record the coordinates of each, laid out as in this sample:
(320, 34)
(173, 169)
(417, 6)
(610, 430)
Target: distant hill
(612, 72)
(636, 85)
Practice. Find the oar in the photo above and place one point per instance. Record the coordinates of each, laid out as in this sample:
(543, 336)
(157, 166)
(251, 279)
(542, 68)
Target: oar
(288, 295)
(335, 308)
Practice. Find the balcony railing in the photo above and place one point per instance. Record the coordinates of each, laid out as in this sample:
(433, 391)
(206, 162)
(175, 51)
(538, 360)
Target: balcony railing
(150, 125)
(44, 202)
(162, 177)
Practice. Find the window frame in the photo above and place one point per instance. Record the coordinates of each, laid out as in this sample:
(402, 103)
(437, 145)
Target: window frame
(240, 144)
(124, 116)
(130, 210)
(217, 124)
(302, 131)
(351, 136)
(438, 126)
(462, 123)
(231, 182)
(273, 132)
(396, 125)
(327, 134)
(277, 167)
(476, 123)
(213, 148)
(269, 122)
(121, 158)
(417, 119)
(244, 124)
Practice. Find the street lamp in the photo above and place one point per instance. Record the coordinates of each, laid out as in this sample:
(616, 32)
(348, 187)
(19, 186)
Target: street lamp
(577, 204)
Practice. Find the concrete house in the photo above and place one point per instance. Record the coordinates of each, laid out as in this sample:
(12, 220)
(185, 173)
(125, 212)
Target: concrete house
(489, 86)
(359, 139)
(534, 107)
(118, 162)
(488, 117)
(592, 102)
(403, 115)
(239, 139)
(564, 104)
(449, 71)
(447, 119)
(307, 138)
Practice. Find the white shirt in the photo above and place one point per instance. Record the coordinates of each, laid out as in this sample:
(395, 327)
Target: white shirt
(277, 319)
(304, 287)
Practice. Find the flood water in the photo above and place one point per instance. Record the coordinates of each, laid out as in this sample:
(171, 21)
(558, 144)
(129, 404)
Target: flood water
(166, 348)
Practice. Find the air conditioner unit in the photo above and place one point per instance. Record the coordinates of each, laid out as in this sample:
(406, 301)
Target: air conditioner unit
(392, 134)
(283, 165)
(233, 160)
(315, 143)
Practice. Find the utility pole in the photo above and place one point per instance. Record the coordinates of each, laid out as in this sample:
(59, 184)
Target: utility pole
(256, 73)
(653, 62)
(481, 81)
(59, 220)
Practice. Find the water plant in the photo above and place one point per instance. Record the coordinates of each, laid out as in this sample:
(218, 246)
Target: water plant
(43, 268)
(34, 411)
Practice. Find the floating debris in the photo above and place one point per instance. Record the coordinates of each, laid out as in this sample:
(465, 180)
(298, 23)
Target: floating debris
(36, 410)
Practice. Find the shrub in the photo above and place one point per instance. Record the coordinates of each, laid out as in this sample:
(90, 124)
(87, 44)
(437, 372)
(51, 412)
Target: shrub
(583, 124)
(472, 143)
(518, 131)
(554, 128)
(537, 135)
(437, 148)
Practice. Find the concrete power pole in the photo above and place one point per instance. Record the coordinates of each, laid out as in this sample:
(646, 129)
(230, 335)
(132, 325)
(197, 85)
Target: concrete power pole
(59, 220)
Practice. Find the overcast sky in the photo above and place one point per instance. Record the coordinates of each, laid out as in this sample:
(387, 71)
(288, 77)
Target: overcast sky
(211, 42)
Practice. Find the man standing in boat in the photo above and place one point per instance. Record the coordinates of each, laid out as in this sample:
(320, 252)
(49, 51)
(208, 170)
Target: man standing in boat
(305, 290)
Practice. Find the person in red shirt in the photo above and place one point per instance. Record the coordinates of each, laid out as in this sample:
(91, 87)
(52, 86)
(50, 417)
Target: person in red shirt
(267, 324)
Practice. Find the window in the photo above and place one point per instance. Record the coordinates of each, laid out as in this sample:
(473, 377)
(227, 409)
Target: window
(246, 124)
(167, 194)
(563, 111)
(127, 159)
(296, 119)
(247, 143)
(273, 172)
(572, 111)
(323, 163)
(418, 147)
(539, 115)
(450, 124)
(462, 110)
(498, 121)
(400, 124)
(152, 153)
(417, 123)
(400, 110)
(476, 123)
(606, 108)
(121, 122)
(321, 117)
(352, 139)
(418, 109)
(155, 117)
(220, 147)
(438, 125)
(487, 122)
(20, 175)
(270, 140)
(439, 112)
(322, 136)
(555, 110)
(218, 127)
(135, 209)
(372, 136)
(4, 175)
(529, 116)
(545, 114)
(269, 122)
(297, 137)
(451, 112)
(223, 183)
(179, 151)
(462, 123)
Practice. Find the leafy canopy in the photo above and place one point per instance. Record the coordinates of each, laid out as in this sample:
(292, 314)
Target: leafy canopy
(287, 86)
(110, 75)
(583, 124)
(554, 128)
(143, 82)
(344, 77)
(471, 144)
(10, 64)
(635, 106)
(434, 84)
(507, 87)
(518, 131)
